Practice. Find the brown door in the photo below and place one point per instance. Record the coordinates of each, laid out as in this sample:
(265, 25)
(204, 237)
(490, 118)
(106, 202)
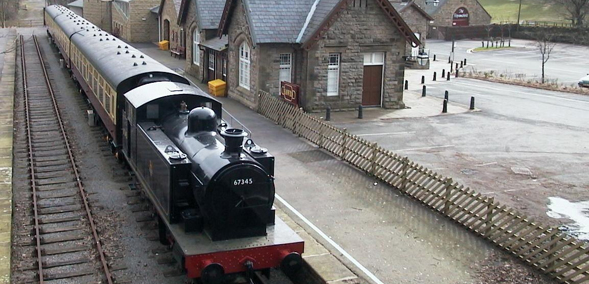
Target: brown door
(372, 85)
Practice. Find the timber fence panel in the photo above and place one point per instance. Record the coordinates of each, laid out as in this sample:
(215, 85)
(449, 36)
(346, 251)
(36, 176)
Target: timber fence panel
(556, 254)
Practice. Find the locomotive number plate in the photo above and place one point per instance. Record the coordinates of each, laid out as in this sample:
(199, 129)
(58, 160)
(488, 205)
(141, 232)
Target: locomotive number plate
(243, 181)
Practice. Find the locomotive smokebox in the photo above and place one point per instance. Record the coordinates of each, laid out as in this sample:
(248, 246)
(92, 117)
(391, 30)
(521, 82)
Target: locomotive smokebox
(201, 119)
(233, 140)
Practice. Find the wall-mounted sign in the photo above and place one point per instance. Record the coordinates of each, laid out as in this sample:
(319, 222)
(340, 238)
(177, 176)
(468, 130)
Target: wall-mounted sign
(290, 92)
(460, 17)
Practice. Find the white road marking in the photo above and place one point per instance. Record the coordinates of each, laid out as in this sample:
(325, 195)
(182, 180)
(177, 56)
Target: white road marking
(425, 148)
(330, 241)
(386, 133)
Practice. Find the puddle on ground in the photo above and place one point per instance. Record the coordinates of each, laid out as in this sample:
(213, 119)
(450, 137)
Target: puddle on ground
(576, 211)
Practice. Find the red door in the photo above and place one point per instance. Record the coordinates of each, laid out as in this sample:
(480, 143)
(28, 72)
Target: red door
(372, 85)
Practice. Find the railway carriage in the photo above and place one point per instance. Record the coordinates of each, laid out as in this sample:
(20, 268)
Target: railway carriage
(212, 188)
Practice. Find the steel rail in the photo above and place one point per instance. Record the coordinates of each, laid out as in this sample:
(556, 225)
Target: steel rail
(80, 186)
(31, 150)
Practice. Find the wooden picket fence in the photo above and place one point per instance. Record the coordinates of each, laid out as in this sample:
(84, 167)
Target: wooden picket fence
(556, 254)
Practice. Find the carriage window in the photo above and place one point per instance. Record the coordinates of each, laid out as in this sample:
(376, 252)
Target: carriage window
(152, 111)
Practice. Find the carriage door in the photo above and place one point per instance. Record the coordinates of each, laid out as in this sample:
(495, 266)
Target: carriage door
(372, 82)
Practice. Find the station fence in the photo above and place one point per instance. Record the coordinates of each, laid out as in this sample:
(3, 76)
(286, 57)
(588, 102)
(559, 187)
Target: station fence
(554, 253)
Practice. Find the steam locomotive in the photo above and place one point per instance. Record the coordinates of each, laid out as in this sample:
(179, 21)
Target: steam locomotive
(212, 188)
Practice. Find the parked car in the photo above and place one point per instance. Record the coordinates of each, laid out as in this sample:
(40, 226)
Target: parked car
(584, 82)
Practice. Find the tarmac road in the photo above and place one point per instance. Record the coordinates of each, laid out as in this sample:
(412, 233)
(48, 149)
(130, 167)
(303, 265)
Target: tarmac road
(567, 63)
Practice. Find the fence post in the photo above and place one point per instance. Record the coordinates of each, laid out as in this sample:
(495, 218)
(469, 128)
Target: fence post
(447, 196)
(344, 142)
(489, 218)
(373, 159)
(321, 134)
(404, 174)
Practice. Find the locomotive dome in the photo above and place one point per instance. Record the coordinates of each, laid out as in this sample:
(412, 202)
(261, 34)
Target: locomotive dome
(201, 119)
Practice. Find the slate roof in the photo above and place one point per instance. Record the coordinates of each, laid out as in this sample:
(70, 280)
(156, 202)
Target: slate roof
(77, 4)
(287, 21)
(431, 9)
(322, 10)
(177, 4)
(277, 20)
(209, 13)
(405, 5)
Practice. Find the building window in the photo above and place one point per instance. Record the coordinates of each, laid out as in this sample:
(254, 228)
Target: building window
(285, 67)
(333, 74)
(195, 49)
(244, 65)
(211, 60)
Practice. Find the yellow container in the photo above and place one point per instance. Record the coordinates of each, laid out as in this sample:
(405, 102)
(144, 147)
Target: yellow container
(217, 92)
(217, 87)
(164, 45)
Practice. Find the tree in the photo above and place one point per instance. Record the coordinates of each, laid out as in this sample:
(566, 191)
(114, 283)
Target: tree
(545, 46)
(576, 10)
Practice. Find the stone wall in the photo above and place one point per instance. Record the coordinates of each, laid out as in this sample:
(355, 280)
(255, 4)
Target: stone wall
(418, 24)
(169, 13)
(238, 33)
(96, 12)
(477, 14)
(356, 31)
(190, 25)
(143, 23)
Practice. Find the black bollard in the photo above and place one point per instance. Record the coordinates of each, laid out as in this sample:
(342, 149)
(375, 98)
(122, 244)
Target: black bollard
(456, 73)
(422, 79)
(449, 61)
(461, 64)
(464, 61)
(435, 76)
(445, 106)
(456, 67)
(406, 85)
(423, 91)
(434, 57)
(328, 114)
(448, 77)
(360, 115)
(446, 95)
(471, 103)
(443, 73)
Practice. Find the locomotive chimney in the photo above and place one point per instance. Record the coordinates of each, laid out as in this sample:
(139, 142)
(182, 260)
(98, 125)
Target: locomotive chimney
(233, 140)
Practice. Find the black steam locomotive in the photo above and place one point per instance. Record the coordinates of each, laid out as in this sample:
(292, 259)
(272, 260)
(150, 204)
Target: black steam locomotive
(213, 188)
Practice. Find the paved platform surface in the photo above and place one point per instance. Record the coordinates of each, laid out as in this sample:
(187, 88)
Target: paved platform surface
(7, 77)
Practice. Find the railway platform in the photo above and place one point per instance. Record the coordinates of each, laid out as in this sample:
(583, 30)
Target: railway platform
(7, 79)
(356, 230)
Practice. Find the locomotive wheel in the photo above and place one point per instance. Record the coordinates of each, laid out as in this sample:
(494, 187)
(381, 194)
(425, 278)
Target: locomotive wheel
(212, 274)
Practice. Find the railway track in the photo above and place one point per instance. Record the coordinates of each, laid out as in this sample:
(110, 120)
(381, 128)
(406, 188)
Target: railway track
(63, 237)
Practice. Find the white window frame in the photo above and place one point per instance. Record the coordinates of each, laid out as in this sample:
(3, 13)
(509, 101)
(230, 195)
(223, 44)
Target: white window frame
(374, 58)
(244, 65)
(212, 60)
(285, 73)
(195, 48)
(333, 72)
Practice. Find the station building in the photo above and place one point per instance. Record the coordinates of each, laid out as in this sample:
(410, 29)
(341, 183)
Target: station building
(206, 53)
(168, 28)
(336, 53)
(130, 20)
